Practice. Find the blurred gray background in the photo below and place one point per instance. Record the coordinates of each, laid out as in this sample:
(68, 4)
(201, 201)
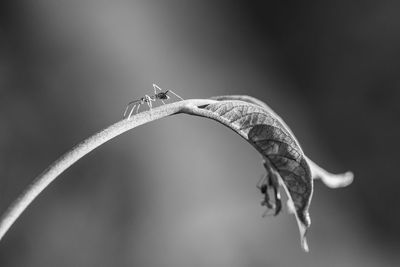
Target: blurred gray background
(181, 191)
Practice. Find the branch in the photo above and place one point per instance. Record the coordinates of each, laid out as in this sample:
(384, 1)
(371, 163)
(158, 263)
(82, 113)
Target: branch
(83, 148)
(247, 116)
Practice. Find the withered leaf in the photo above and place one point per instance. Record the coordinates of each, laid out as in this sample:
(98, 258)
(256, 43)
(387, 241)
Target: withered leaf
(277, 145)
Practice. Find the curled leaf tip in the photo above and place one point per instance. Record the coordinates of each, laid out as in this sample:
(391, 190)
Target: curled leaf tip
(337, 180)
(329, 179)
(304, 244)
(303, 234)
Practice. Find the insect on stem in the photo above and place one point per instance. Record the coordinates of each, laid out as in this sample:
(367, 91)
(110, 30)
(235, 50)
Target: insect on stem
(163, 95)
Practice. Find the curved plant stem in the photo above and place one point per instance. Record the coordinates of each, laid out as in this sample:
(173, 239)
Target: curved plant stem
(83, 148)
(191, 106)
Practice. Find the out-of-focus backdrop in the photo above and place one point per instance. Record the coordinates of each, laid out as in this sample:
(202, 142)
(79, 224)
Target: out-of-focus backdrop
(181, 191)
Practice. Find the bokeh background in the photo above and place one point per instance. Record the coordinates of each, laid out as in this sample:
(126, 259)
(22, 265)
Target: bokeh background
(181, 191)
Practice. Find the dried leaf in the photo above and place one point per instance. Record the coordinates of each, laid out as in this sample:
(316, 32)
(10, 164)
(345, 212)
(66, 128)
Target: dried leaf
(282, 154)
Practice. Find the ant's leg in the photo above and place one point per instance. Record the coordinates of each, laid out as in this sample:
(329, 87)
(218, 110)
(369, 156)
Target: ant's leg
(176, 95)
(128, 105)
(156, 87)
(127, 108)
(263, 185)
(266, 189)
(132, 109)
(148, 100)
(273, 182)
(262, 181)
(126, 111)
(137, 110)
(166, 96)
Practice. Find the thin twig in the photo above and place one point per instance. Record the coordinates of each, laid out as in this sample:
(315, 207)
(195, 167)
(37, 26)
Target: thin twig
(83, 148)
(187, 106)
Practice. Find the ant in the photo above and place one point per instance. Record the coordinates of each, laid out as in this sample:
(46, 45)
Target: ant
(163, 95)
(269, 185)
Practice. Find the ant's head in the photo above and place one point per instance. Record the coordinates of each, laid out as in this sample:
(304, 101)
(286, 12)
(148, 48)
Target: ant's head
(163, 95)
(264, 189)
